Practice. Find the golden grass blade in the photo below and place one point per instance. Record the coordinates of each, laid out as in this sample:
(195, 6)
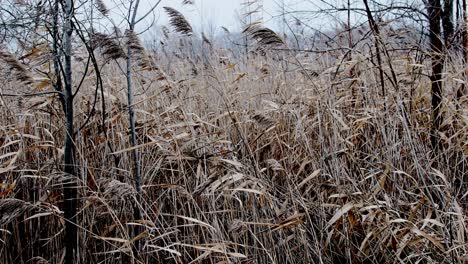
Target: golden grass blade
(342, 211)
(135, 147)
(312, 176)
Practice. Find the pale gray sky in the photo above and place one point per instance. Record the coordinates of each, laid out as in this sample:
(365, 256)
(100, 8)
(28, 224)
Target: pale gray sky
(214, 13)
(226, 12)
(217, 12)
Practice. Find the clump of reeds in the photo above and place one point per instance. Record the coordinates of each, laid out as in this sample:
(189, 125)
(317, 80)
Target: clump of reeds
(111, 49)
(101, 7)
(22, 74)
(178, 21)
(264, 36)
(250, 162)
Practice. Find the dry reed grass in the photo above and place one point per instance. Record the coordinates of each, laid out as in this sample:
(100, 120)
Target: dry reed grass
(243, 162)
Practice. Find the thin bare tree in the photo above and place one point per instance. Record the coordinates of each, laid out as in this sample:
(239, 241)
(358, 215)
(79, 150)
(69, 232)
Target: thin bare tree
(132, 46)
(464, 36)
(447, 22)
(434, 10)
(131, 112)
(70, 192)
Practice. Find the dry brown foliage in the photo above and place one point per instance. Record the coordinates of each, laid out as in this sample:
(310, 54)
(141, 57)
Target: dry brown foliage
(243, 163)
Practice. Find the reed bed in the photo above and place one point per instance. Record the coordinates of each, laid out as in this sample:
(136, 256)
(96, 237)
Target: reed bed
(277, 158)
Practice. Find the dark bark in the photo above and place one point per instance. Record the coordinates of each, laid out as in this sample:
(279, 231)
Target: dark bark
(133, 133)
(70, 192)
(131, 113)
(447, 21)
(437, 56)
(55, 51)
(462, 89)
(376, 32)
(350, 57)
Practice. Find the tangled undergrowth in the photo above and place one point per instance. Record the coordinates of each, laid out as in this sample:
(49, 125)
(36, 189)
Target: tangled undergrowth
(272, 159)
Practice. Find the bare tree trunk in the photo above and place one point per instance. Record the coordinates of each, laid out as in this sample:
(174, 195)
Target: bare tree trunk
(465, 31)
(70, 192)
(438, 57)
(462, 89)
(350, 55)
(447, 21)
(55, 51)
(376, 32)
(131, 113)
(350, 33)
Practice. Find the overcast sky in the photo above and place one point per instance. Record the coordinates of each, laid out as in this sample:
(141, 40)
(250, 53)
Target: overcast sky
(214, 13)
(226, 12)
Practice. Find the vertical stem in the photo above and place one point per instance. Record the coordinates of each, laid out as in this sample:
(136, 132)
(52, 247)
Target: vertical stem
(131, 113)
(350, 56)
(462, 89)
(447, 22)
(376, 32)
(435, 11)
(350, 35)
(283, 15)
(55, 51)
(70, 191)
(131, 116)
